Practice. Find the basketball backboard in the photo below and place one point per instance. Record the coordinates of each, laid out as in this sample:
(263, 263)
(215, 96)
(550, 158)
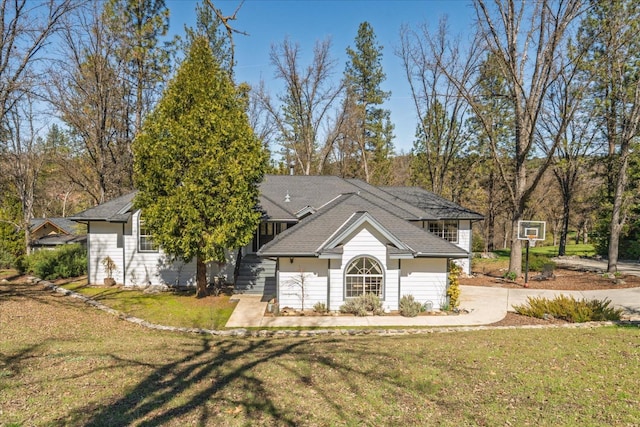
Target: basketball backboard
(531, 230)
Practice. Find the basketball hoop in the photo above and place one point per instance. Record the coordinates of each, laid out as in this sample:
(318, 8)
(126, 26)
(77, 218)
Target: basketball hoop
(532, 241)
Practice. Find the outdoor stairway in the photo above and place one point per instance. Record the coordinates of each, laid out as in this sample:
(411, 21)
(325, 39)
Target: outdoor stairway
(257, 276)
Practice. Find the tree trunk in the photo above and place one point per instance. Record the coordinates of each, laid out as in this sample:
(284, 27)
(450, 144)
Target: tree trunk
(201, 278)
(515, 260)
(617, 217)
(566, 210)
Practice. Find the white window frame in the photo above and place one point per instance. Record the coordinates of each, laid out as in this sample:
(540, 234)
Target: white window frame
(365, 277)
(145, 241)
(445, 229)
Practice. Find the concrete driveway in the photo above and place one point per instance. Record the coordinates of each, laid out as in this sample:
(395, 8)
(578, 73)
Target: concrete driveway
(485, 305)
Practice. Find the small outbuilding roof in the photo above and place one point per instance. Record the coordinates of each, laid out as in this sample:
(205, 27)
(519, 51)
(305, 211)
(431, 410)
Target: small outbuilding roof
(65, 225)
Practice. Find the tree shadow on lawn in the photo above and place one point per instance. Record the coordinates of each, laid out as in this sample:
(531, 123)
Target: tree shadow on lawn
(16, 291)
(219, 379)
(188, 384)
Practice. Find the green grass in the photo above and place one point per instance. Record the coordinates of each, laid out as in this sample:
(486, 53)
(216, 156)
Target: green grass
(64, 364)
(579, 250)
(166, 308)
(502, 260)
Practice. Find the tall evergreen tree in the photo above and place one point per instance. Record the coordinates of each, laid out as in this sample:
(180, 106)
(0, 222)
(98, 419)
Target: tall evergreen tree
(613, 63)
(198, 165)
(137, 27)
(363, 77)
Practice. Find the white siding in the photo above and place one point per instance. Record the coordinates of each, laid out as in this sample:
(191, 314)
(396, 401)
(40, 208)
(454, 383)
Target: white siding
(336, 293)
(464, 242)
(105, 240)
(391, 285)
(365, 241)
(425, 279)
(313, 272)
(135, 268)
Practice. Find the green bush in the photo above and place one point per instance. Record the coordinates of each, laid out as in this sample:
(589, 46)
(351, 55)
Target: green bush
(453, 290)
(510, 275)
(66, 261)
(363, 305)
(569, 309)
(7, 259)
(538, 262)
(320, 307)
(409, 307)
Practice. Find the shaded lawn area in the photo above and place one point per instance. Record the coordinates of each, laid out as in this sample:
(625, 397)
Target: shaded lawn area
(181, 309)
(63, 363)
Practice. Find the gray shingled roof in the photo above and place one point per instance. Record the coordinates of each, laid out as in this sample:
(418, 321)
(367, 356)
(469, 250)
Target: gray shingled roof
(312, 193)
(115, 210)
(437, 206)
(282, 195)
(311, 236)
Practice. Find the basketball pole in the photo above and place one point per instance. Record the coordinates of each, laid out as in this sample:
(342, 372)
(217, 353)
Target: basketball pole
(526, 267)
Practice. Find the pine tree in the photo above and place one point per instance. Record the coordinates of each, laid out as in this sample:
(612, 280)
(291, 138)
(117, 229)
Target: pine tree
(198, 165)
(363, 76)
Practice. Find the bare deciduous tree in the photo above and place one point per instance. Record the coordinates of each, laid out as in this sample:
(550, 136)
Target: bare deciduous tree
(25, 158)
(441, 111)
(305, 126)
(526, 42)
(25, 28)
(89, 96)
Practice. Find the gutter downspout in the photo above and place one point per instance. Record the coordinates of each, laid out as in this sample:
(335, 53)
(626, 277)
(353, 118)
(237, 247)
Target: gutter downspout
(89, 252)
(399, 281)
(328, 284)
(124, 258)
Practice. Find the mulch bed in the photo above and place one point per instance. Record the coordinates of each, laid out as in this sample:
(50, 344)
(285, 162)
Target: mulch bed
(565, 280)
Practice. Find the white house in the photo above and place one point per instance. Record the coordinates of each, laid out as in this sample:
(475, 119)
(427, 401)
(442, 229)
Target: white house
(322, 239)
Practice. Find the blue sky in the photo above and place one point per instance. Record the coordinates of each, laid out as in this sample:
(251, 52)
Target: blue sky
(269, 22)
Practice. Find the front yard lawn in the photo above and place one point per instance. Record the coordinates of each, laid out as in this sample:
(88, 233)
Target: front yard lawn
(181, 309)
(63, 363)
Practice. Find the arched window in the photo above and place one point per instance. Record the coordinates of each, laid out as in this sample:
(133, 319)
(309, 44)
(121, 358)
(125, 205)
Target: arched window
(363, 275)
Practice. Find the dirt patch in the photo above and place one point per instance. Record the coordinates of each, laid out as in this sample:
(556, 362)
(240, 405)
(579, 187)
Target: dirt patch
(514, 319)
(565, 279)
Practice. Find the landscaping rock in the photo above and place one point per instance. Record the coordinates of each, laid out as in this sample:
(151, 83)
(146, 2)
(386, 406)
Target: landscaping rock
(156, 289)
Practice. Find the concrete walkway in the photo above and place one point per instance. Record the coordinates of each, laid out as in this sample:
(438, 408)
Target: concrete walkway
(485, 305)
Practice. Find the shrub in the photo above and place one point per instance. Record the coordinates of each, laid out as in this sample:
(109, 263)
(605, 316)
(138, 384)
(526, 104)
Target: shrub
(453, 291)
(569, 309)
(320, 307)
(7, 259)
(409, 307)
(363, 305)
(66, 261)
(510, 275)
(538, 262)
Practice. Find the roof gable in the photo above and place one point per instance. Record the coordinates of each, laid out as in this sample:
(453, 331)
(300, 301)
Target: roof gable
(353, 223)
